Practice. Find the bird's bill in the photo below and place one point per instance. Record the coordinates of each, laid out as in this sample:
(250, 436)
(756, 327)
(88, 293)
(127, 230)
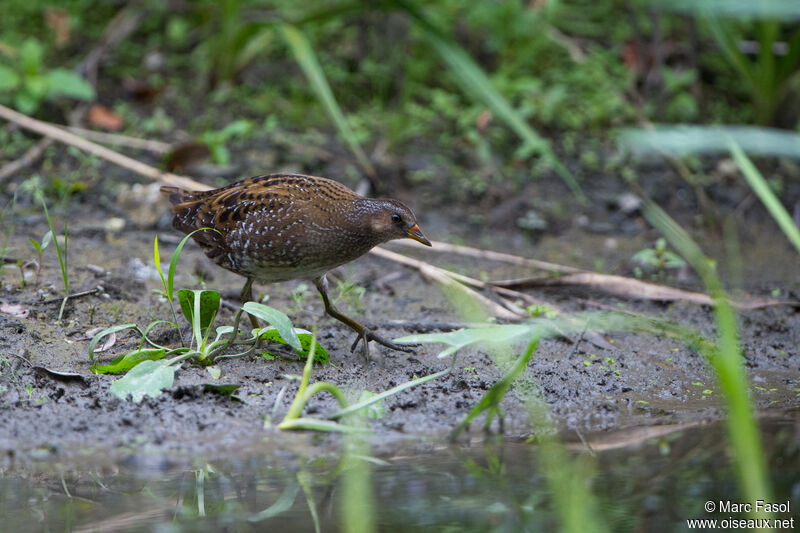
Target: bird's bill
(416, 234)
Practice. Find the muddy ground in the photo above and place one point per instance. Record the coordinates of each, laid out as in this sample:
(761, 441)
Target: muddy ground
(640, 380)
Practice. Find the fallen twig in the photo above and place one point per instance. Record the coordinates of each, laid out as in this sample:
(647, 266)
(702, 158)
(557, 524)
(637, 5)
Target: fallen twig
(64, 136)
(28, 158)
(158, 147)
(74, 295)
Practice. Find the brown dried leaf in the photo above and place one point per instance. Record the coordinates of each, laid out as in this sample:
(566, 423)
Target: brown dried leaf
(58, 21)
(187, 155)
(108, 341)
(15, 310)
(140, 90)
(483, 120)
(102, 117)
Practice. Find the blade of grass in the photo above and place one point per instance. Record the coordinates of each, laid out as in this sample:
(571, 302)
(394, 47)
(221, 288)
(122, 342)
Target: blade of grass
(743, 432)
(391, 392)
(62, 257)
(307, 60)
(474, 80)
(765, 194)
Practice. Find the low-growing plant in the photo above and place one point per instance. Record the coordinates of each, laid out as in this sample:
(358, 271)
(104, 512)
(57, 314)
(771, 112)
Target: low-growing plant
(40, 246)
(151, 367)
(62, 256)
(215, 141)
(295, 420)
(27, 83)
(658, 259)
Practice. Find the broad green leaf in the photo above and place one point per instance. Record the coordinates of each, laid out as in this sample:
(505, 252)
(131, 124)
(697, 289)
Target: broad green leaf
(209, 306)
(25, 103)
(214, 371)
(129, 360)
(272, 334)
(148, 378)
(30, 56)
(277, 319)
(63, 82)
(9, 79)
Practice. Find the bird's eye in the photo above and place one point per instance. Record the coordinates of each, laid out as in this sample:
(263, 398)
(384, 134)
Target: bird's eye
(397, 219)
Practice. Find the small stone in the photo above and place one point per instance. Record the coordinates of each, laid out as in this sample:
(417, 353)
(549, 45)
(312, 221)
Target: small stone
(114, 225)
(628, 203)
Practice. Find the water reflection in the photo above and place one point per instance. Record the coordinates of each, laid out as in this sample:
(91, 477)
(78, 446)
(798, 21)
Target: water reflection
(652, 485)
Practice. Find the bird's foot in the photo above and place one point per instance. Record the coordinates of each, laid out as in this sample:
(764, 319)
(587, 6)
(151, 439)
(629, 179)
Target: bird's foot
(367, 335)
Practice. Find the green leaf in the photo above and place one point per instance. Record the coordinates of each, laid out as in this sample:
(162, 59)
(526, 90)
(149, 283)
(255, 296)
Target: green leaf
(214, 371)
(9, 79)
(375, 411)
(129, 360)
(63, 82)
(277, 319)
(36, 245)
(148, 378)
(237, 127)
(30, 56)
(320, 425)
(272, 334)
(209, 306)
(25, 103)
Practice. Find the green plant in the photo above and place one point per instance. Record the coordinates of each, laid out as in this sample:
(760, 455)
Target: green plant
(727, 361)
(62, 257)
(216, 140)
(27, 82)
(295, 420)
(768, 76)
(658, 258)
(351, 293)
(151, 367)
(40, 247)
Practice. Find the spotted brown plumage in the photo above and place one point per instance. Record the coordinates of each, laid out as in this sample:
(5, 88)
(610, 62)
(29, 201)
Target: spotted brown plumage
(291, 226)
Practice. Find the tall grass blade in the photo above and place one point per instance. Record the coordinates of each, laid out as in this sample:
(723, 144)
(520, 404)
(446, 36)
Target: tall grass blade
(765, 194)
(712, 139)
(768, 9)
(307, 60)
(474, 80)
(745, 440)
(62, 256)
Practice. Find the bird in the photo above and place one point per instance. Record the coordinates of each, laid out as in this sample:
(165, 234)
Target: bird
(282, 227)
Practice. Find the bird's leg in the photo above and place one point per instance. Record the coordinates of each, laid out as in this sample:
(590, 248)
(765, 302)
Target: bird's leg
(364, 334)
(247, 296)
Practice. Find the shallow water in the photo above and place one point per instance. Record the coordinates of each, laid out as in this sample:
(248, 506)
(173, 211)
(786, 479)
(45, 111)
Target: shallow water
(643, 481)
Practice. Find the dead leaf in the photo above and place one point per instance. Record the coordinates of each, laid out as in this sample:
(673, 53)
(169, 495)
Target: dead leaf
(60, 375)
(15, 310)
(140, 90)
(58, 21)
(187, 155)
(108, 341)
(102, 117)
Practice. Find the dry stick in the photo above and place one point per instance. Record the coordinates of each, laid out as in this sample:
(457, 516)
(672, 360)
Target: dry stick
(28, 158)
(468, 251)
(66, 137)
(507, 310)
(157, 147)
